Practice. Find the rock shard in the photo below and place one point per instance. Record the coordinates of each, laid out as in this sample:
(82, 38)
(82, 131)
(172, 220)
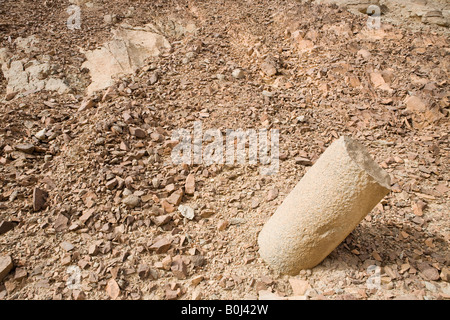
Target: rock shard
(342, 187)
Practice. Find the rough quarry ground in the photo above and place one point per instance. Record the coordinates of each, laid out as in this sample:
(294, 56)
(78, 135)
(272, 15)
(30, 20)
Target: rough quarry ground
(89, 195)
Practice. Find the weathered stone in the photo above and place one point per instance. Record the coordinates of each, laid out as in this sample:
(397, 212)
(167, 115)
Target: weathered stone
(436, 17)
(20, 273)
(86, 104)
(39, 199)
(303, 161)
(5, 226)
(131, 201)
(6, 264)
(138, 132)
(41, 134)
(378, 81)
(156, 136)
(112, 289)
(143, 270)
(189, 186)
(268, 68)
(153, 78)
(299, 286)
(161, 246)
(168, 208)
(324, 207)
(67, 246)
(175, 197)
(445, 274)
(111, 184)
(161, 220)
(61, 223)
(10, 95)
(93, 250)
(428, 272)
(25, 148)
(238, 74)
(272, 194)
(179, 267)
(415, 104)
(222, 225)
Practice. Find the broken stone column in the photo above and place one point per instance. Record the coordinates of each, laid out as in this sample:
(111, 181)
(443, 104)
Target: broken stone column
(330, 200)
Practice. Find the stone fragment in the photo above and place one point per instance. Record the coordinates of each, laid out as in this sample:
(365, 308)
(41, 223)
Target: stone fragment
(238, 74)
(6, 226)
(428, 272)
(168, 208)
(67, 246)
(20, 274)
(161, 246)
(189, 186)
(61, 223)
(255, 203)
(186, 212)
(161, 220)
(138, 132)
(39, 199)
(272, 194)
(153, 78)
(222, 225)
(127, 51)
(175, 197)
(112, 289)
(303, 161)
(268, 68)
(156, 136)
(179, 267)
(41, 134)
(445, 274)
(93, 250)
(299, 286)
(111, 184)
(143, 270)
(6, 264)
(25, 148)
(131, 201)
(415, 104)
(86, 104)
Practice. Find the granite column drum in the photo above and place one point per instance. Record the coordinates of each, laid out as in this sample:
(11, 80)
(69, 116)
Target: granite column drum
(335, 194)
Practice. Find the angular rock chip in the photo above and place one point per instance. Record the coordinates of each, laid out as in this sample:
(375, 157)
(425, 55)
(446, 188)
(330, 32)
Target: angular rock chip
(161, 246)
(61, 223)
(25, 148)
(175, 198)
(5, 226)
(112, 289)
(131, 201)
(179, 268)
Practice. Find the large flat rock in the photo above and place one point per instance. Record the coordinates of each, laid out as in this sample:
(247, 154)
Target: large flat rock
(122, 55)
